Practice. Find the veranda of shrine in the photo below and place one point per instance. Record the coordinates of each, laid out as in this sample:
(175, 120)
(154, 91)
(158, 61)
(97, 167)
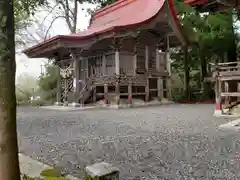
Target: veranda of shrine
(128, 61)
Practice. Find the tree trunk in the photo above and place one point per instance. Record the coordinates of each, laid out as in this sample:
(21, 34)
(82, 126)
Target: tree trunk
(9, 163)
(186, 73)
(206, 86)
(232, 50)
(75, 13)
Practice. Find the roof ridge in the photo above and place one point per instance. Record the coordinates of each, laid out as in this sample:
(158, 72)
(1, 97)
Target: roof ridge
(110, 8)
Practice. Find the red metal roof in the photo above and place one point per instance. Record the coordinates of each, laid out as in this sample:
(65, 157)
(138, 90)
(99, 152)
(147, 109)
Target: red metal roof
(123, 13)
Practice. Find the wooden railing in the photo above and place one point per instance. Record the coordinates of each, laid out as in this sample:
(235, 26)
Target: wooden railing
(122, 79)
(225, 71)
(228, 71)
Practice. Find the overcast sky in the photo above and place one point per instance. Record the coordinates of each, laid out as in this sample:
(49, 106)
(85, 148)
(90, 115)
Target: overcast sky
(33, 66)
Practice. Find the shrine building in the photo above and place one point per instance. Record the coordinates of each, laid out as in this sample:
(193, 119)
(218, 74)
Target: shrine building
(123, 54)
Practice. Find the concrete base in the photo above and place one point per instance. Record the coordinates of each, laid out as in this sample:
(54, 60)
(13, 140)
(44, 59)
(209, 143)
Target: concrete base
(57, 103)
(130, 105)
(74, 104)
(114, 106)
(69, 108)
(221, 112)
(218, 112)
(102, 171)
(65, 104)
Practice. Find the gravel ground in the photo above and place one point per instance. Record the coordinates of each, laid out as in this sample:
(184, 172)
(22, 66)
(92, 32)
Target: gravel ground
(167, 142)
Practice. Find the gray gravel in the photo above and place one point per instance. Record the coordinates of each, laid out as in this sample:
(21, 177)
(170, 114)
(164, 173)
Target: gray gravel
(167, 142)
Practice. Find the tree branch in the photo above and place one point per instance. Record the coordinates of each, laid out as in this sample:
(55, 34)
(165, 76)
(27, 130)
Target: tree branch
(49, 12)
(68, 18)
(52, 24)
(68, 7)
(75, 16)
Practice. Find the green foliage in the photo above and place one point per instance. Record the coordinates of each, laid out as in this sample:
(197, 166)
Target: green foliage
(49, 80)
(90, 178)
(22, 100)
(106, 2)
(48, 83)
(212, 39)
(48, 174)
(26, 88)
(54, 172)
(22, 11)
(46, 178)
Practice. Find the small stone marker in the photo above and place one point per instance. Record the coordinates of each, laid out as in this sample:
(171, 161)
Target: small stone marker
(103, 171)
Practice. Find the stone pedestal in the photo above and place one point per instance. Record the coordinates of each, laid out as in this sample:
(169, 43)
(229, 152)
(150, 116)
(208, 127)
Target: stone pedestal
(65, 103)
(57, 103)
(102, 171)
(75, 104)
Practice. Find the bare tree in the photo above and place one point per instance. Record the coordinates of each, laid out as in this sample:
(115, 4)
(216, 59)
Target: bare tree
(68, 11)
(63, 9)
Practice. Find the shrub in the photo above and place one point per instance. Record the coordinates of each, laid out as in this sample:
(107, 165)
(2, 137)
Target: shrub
(55, 172)
(45, 178)
(178, 95)
(48, 174)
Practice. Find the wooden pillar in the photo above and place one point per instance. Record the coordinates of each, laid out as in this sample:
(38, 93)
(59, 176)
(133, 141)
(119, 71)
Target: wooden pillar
(238, 89)
(157, 59)
(146, 57)
(117, 72)
(94, 94)
(58, 86)
(117, 91)
(159, 79)
(218, 89)
(65, 101)
(146, 66)
(77, 75)
(104, 65)
(160, 88)
(117, 62)
(130, 93)
(226, 89)
(87, 68)
(220, 92)
(169, 85)
(82, 73)
(106, 94)
(169, 69)
(186, 73)
(169, 79)
(77, 65)
(135, 59)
